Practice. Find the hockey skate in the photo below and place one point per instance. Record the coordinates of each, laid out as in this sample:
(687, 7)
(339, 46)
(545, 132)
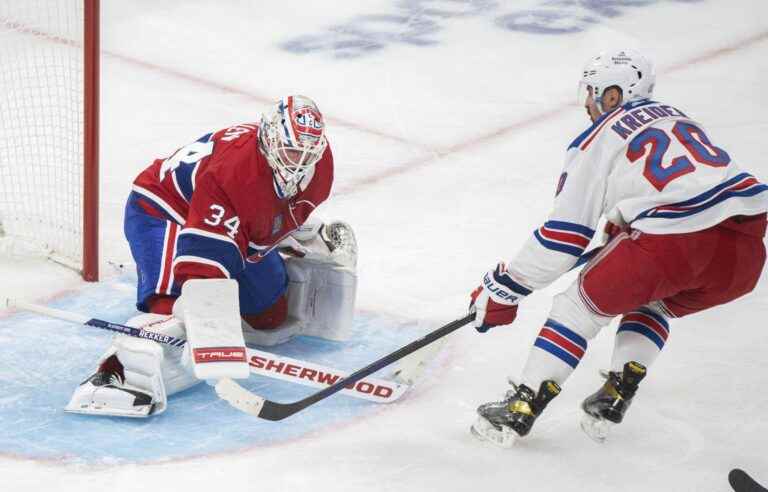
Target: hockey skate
(503, 422)
(606, 407)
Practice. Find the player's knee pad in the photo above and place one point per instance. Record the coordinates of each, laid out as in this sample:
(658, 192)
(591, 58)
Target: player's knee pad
(569, 309)
(147, 369)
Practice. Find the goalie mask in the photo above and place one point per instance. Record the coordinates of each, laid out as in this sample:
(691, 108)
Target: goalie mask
(632, 72)
(292, 138)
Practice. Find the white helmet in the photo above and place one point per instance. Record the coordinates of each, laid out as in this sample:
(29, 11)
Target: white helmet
(632, 72)
(292, 138)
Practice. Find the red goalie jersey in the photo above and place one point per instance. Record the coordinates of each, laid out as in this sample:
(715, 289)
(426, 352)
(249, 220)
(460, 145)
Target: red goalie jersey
(221, 190)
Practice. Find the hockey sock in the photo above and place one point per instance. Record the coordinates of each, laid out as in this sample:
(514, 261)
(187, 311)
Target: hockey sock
(641, 336)
(555, 354)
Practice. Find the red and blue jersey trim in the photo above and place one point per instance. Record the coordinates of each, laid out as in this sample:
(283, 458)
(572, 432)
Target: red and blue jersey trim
(196, 246)
(142, 197)
(565, 237)
(743, 185)
(561, 342)
(585, 138)
(647, 323)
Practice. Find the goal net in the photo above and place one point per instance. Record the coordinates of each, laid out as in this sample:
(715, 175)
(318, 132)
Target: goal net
(49, 129)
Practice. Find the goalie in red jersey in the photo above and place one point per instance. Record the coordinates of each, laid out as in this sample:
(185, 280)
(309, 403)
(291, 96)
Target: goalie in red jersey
(209, 228)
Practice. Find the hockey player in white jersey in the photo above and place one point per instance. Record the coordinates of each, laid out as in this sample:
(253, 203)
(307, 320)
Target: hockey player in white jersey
(684, 226)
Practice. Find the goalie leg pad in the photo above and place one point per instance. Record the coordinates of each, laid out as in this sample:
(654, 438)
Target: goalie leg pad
(321, 303)
(321, 297)
(210, 309)
(135, 376)
(322, 285)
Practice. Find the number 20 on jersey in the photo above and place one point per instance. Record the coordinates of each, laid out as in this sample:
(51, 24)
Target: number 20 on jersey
(653, 143)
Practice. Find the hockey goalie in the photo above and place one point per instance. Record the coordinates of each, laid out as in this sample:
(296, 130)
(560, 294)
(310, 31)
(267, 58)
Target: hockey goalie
(226, 255)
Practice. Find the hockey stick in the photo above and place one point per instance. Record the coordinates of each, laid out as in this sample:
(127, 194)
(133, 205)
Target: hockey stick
(96, 323)
(253, 404)
(262, 363)
(742, 482)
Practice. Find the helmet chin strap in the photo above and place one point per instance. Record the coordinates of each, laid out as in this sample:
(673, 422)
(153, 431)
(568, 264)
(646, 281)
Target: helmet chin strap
(281, 187)
(285, 189)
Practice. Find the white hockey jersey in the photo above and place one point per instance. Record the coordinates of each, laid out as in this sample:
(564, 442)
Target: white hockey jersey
(646, 165)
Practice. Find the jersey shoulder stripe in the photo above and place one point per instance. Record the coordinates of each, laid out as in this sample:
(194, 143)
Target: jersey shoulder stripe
(588, 136)
(159, 204)
(594, 129)
(183, 180)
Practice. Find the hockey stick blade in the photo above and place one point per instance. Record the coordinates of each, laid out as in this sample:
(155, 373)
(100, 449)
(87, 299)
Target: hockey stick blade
(742, 482)
(410, 368)
(253, 404)
(239, 397)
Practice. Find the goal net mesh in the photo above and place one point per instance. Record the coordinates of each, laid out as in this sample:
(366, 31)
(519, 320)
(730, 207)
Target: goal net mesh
(41, 127)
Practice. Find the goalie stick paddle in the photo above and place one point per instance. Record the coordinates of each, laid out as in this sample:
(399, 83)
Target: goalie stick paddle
(253, 404)
(262, 363)
(742, 482)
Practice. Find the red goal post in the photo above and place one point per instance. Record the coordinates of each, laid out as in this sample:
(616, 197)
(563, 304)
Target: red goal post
(49, 131)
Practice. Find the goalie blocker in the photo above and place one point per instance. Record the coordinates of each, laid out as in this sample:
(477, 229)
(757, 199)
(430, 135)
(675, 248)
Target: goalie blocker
(135, 376)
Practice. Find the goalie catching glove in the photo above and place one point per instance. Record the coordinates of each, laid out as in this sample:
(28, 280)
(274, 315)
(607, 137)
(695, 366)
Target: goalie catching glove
(333, 242)
(495, 301)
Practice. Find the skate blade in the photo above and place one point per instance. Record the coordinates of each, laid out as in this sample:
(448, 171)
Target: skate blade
(597, 429)
(485, 431)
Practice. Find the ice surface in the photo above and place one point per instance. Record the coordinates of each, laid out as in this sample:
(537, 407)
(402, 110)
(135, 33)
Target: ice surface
(46, 358)
(448, 121)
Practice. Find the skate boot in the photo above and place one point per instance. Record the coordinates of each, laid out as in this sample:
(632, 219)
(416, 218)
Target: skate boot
(106, 390)
(502, 422)
(607, 406)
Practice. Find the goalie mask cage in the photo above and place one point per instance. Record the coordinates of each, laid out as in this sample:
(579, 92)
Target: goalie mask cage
(49, 94)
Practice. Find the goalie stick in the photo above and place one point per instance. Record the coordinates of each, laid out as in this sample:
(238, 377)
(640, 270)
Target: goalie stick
(262, 363)
(253, 404)
(741, 482)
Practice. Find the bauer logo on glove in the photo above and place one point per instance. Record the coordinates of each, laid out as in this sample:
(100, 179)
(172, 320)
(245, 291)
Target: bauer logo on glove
(495, 301)
(497, 290)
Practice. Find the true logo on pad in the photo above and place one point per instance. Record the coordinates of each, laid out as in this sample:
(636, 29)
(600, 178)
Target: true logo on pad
(219, 354)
